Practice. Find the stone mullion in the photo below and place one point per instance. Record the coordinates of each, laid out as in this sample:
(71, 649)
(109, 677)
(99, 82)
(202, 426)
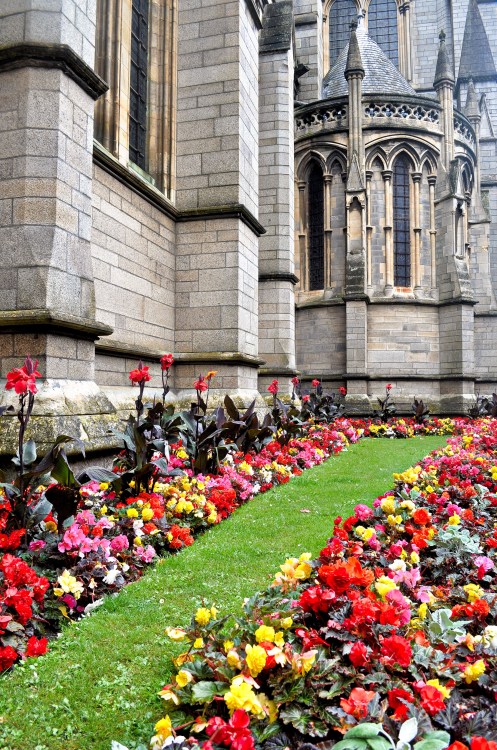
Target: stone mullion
(302, 234)
(433, 232)
(405, 39)
(416, 180)
(108, 60)
(389, 275)
(369, 230)
(327, 231)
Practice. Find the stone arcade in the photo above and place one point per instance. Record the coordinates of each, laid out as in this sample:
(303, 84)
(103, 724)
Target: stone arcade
(263, 189)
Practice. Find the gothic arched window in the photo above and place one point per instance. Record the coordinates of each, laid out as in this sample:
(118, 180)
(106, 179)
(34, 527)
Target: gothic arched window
(401, 222)
(138, 83)
(342, 12)
(382, 27)
(315, 234)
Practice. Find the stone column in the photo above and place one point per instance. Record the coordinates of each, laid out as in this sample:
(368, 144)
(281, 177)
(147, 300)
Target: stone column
(388, 228)
(47, 94)
(276, 189)
(416, 180)
(432, 180)
(217, 192)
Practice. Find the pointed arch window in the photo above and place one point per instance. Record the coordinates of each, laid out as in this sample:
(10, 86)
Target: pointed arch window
(315, 234)
(342, 13)
(402, 222)
(138, 83)
(382, 27)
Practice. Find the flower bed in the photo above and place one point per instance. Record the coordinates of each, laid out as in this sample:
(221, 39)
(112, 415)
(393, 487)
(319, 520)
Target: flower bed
(388, 636)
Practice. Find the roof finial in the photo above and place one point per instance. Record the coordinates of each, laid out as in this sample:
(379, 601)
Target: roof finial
(354, 62)
(444, 72)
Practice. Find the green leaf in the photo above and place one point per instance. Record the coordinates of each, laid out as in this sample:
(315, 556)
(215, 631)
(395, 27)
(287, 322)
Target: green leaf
(29, 452)
(97, 474)
(379, 743)
(205, 692)
(352, 744)
(433, 743)
(365, 730)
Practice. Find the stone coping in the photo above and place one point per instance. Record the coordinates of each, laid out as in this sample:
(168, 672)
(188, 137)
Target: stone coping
(46, 321)
(146, 190)
(59, 56)
(118, 349)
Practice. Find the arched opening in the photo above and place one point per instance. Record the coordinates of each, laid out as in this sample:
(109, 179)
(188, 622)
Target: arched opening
(315, 235)
(382, 27)
(402, 222)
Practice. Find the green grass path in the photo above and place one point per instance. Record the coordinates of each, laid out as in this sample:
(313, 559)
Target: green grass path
(100, 679)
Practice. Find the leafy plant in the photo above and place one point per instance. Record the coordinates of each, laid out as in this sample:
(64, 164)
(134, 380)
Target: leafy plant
(420, 411)
(387, 406)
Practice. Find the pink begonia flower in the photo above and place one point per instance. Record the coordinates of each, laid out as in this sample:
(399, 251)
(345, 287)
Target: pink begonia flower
(453, 508)
(145, 554)
(401, 603)
(483, 564)
(423, 594)
(69, 600)
(37, 545)
(363, 512)
(119, 543)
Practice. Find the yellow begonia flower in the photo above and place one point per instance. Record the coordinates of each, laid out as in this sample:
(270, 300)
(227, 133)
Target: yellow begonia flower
(104, 486)
(242, 696)
(233, 659)
(228, 645)
(183, 678)
(147, 514)
(69, 585)
(441, 688)
(394, 520)
(176, 634)
(454, 520)
(255, 658)
(286, 623)
(388, 505)
(169, 695)
(414, 557)
(164, 728)
(422, 611)
(279, 639)
(202, 616)
(103, 510)
(269, 707)
(265, 633)
(198, 643)
(302, 663)
(368, 534)
(132, 513)
(383, 585)
(474, 671)
(137, 541)
(473, 592)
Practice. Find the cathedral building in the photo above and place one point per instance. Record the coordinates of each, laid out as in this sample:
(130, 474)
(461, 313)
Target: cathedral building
(264, 189)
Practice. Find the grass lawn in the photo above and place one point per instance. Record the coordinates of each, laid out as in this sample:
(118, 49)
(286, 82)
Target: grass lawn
(100, 679)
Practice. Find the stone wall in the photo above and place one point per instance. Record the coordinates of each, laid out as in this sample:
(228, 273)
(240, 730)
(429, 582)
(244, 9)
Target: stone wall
(403, 339)
(320, 341)
(134, 264)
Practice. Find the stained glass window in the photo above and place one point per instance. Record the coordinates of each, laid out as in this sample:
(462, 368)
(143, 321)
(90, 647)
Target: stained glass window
(342, 12)
(401, 222)
(316, 228)
(382, 27)
(138, 87)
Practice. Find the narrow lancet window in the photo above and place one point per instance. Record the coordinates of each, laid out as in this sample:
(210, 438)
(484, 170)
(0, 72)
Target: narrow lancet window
(342, 12)
(316, 228)
(382, 27)
(138, 87)
(401, 222)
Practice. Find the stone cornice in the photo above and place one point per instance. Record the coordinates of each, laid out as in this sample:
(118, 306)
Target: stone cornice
(46, 321)
(220, 358)
(58, 56)
(135, 182)
(279, 276)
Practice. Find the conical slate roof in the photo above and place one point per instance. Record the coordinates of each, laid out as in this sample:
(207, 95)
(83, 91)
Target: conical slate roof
(476, 56)
(381, 75)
